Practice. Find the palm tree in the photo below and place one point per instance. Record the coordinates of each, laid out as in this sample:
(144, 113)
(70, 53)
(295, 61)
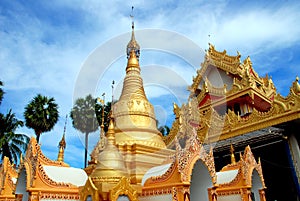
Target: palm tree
(41, 114)
(84, 118)
(98, 109)
(1, 92)
(11, 143)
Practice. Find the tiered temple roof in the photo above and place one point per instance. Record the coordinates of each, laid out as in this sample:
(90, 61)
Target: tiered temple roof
(245, 102)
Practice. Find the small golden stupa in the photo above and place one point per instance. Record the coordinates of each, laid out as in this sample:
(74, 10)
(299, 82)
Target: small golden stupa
(110, 162)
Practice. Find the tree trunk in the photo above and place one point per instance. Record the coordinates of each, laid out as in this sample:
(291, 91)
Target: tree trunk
(38, 134)
(86, 149)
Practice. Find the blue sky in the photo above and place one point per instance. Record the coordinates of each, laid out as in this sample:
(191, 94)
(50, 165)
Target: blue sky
(45, 45)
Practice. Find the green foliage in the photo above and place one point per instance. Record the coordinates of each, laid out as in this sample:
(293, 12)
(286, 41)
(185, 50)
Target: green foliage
(41, 114)
(98, 109)
(83, 115)
(165, 130)
(1, 92)
(11, 143)
(84, 118)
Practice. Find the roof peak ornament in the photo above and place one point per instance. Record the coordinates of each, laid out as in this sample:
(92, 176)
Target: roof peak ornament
(133, 45)
(62, 144)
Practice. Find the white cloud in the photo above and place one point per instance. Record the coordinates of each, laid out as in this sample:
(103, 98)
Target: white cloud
(258, 30)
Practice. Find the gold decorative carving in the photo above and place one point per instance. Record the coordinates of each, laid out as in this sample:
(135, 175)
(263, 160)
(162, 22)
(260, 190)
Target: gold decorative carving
(245, 166)
(7, 174)
(213, 127)
(123, 188)
(89, 189)
(174, 194)
(59, 196)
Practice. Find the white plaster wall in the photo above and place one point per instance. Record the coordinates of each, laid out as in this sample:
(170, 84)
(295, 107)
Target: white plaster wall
(218, 78)
(165, 197)
(200, 182)
(256, 185)
(21, 185)
(235, 197)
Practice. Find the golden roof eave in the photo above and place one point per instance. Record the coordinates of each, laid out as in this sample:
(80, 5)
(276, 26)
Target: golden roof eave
(282, 110)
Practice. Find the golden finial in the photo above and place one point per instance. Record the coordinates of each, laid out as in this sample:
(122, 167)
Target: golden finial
(112, 94)
(133, 45)
(232, 154)
(111, 132)
(62, 144)
(296, 86)
(103, 107)
(102, 101)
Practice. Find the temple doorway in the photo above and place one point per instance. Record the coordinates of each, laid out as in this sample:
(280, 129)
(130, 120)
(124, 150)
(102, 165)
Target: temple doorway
(256, 185)
(200, 182)
(21, 185)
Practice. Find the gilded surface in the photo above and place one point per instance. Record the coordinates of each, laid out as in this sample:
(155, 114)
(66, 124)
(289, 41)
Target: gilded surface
(123, 188)
(211, 125)
(7, 174)
(36, 176)
(243, 180)
(133, 112)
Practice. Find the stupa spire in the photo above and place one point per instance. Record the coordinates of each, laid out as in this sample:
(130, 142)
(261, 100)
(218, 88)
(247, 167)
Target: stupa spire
(62, 144)
(133, 44)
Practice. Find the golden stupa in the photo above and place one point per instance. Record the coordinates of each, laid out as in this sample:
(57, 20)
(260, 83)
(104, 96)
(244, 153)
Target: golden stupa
(134, 114)
(136, 133)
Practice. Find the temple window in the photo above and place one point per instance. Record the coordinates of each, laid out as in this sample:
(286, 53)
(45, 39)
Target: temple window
(237, 109)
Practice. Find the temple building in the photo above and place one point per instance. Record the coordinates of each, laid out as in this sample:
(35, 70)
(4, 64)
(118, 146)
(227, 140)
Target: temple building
(217, 148)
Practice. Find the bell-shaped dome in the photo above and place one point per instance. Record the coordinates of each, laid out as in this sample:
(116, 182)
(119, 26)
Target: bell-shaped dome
(110, 163)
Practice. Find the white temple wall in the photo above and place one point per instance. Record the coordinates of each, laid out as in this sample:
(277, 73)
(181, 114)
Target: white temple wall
(218, 78)
(256, 185)
(21, 185)
(200, 182)
(164, 197)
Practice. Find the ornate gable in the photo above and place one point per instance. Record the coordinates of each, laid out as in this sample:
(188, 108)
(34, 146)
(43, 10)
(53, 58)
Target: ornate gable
(8, 177)
(49, 179)
(240, 183)
(225, 80)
